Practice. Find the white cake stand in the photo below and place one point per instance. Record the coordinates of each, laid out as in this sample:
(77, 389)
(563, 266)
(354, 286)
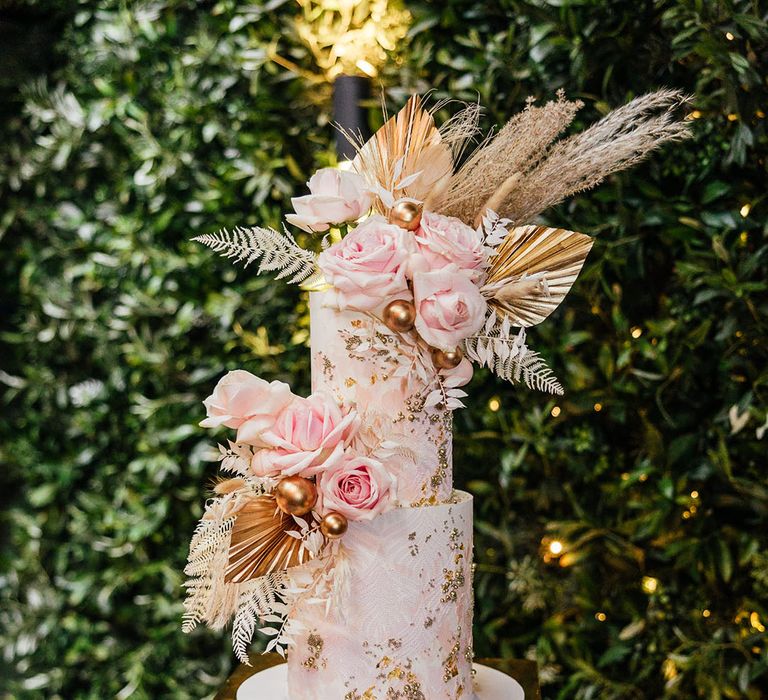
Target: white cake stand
(272, 684)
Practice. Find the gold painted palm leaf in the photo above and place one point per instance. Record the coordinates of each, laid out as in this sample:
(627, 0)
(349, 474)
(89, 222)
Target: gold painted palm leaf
(411, 137)
(260, 544)
(532, 271)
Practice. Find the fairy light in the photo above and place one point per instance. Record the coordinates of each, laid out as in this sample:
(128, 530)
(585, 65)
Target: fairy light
(650, 584)
(729, 36)
(696, 114)
(555, 412)
(556, 547)
(636, 332)
(744, 211)
(494, 404)
(706, 612)
(601, 616)
(643, 477)
(598, 407)
(732, 117)
(754, 620)
(694, 494)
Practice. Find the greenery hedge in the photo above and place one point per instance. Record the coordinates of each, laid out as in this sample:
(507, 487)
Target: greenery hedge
(130, 127)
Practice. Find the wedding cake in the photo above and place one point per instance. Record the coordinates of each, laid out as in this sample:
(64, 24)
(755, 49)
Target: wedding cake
(338, 534)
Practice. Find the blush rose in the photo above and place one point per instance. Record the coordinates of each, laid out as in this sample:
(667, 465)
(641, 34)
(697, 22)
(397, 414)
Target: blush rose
(246, 403)
(308, 436)
(368, 266)
(336, 197)
(449, 307)
(444, 240)
(358, 487)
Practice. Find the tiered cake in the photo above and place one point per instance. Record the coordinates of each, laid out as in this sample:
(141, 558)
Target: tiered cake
(337, 533)
(406, 627)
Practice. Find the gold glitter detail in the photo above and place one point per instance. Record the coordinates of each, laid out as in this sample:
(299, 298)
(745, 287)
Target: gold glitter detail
(452, 582)
(357, 323)
(315, 644)
(384, 662)
(450, 665)
(374, 379)
(415, 403)
(328, 366)
(429, 622)
(349, 382)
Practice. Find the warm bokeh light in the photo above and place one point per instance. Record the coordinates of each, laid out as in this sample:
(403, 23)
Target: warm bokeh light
(705, 613)
(636, 332)
(555, 411)
(601, 617)
(744, 211)
(650, 584)
(556, 547)
(598, 407)
(494, 404)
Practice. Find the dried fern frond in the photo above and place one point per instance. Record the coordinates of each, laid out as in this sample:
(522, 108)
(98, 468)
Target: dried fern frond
(209, 599)
(407, 145)
(509, 357)
(532, 270)
(622, 139)
(257, 600)
(276, 252)
(490, 169)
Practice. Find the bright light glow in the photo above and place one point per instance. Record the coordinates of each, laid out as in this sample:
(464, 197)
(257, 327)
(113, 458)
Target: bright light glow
(555, 411)
(601, 617)
(636, 332)
(556, 547)
(744, 211)
(494, 404)
(694, 494)
(733, 117)
(650, 584)
(705, 613)
(367, 67)
(352, 37)
(729, 36)
(754, 620)
(598, 407)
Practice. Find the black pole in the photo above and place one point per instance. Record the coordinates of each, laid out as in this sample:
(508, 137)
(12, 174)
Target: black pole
(349, 91)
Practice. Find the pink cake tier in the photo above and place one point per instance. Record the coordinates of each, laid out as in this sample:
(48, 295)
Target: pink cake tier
(405, 629)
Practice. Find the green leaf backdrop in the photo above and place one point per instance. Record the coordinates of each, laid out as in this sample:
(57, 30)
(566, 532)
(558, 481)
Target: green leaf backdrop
(129, 127)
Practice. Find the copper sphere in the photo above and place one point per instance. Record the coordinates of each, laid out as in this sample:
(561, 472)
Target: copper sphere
(296, 495)
(406, 215)
(447, 359)
(334, 525)
(399, 315)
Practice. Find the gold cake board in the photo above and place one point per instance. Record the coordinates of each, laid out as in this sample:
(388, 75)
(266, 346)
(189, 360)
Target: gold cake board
(523, 671)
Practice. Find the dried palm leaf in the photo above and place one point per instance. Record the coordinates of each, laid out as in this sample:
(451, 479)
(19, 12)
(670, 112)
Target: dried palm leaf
(407, 144)
(261, 543)
(532, 271)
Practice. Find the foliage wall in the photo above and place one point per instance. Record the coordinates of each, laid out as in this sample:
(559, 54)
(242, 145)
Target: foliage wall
(130, 127)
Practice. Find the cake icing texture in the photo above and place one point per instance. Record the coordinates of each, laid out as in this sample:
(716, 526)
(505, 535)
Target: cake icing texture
(336, 533)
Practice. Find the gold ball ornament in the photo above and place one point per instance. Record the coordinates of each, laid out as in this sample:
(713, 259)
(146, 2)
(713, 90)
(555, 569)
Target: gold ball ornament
(333, 526)
(296, 495)
(406, 215)
(447, 359)
(399, 315)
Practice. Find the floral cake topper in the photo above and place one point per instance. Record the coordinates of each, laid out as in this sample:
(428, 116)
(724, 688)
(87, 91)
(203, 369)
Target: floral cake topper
(443, 258)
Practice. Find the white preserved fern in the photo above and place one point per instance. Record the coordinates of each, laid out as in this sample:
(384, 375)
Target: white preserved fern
(276, 252)
(259, 599)
(509, 357)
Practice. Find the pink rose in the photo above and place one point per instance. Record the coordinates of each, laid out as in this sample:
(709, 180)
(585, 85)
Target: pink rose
(443, 240)
(449, 307)
(337, 197)
(357, 487)
(367, 267)
(307, 437)
(245, 403)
